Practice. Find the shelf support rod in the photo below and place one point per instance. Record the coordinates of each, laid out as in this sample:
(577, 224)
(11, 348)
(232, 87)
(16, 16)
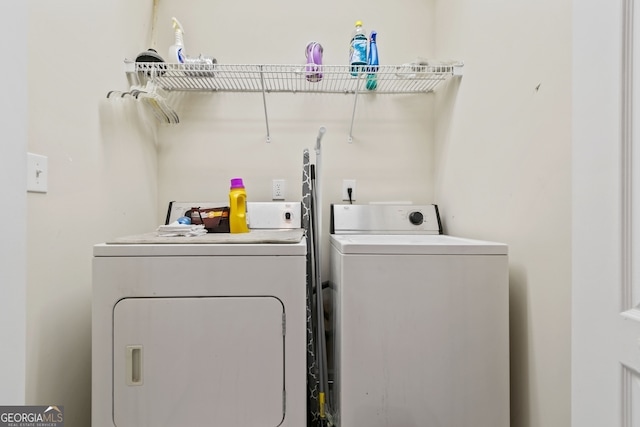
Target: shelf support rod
(355, 103)
(264, 102)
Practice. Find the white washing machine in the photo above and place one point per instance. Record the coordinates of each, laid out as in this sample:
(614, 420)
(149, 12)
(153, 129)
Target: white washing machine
(201, 332)
(420, 322)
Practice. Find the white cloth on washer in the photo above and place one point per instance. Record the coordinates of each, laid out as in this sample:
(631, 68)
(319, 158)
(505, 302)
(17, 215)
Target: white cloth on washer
(176, 229)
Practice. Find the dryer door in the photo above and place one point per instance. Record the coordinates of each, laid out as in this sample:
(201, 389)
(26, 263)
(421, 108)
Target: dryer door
(198, 361)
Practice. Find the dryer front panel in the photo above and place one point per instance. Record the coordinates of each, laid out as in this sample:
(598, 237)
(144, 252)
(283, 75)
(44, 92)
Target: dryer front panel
(198, 361)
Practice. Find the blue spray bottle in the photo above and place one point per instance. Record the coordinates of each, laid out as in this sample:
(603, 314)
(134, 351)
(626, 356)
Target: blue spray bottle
(372, 62)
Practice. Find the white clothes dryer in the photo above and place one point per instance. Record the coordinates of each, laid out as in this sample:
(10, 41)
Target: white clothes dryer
(420, 322)
(200, 332)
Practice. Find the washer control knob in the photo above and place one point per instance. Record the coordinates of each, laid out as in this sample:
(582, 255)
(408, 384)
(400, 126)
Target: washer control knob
(416, 218)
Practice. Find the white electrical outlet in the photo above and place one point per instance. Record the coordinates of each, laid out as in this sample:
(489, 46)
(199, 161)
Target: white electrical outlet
(277, 189)
(346, 185)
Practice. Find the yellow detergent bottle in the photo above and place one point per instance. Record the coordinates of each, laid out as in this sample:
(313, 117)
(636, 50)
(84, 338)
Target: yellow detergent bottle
(238, 207)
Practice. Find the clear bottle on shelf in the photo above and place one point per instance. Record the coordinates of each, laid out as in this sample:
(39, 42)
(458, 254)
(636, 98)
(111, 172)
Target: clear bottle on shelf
(358, 50)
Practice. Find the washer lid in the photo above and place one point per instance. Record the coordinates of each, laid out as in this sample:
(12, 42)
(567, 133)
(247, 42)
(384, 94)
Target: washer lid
(415, 245)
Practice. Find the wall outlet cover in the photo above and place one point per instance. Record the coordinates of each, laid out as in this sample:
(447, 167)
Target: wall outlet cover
(346, 185)
(278, 189)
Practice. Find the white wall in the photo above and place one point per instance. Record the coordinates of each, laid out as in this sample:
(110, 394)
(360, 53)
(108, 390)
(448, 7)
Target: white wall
(494, 153)
(102, 181)
(504, 173)
(13, 185)
(223, 135)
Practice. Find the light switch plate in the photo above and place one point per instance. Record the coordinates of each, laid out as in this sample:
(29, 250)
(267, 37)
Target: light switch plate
(37, 173)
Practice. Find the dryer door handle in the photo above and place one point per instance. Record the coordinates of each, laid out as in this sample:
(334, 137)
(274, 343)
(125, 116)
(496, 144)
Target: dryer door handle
(134, 365)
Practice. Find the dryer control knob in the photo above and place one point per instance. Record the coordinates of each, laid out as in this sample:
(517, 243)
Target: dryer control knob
(416, 218)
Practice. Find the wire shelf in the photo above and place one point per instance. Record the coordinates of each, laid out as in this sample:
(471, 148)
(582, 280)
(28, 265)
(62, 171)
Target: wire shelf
(414, 78)
(390, 79)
